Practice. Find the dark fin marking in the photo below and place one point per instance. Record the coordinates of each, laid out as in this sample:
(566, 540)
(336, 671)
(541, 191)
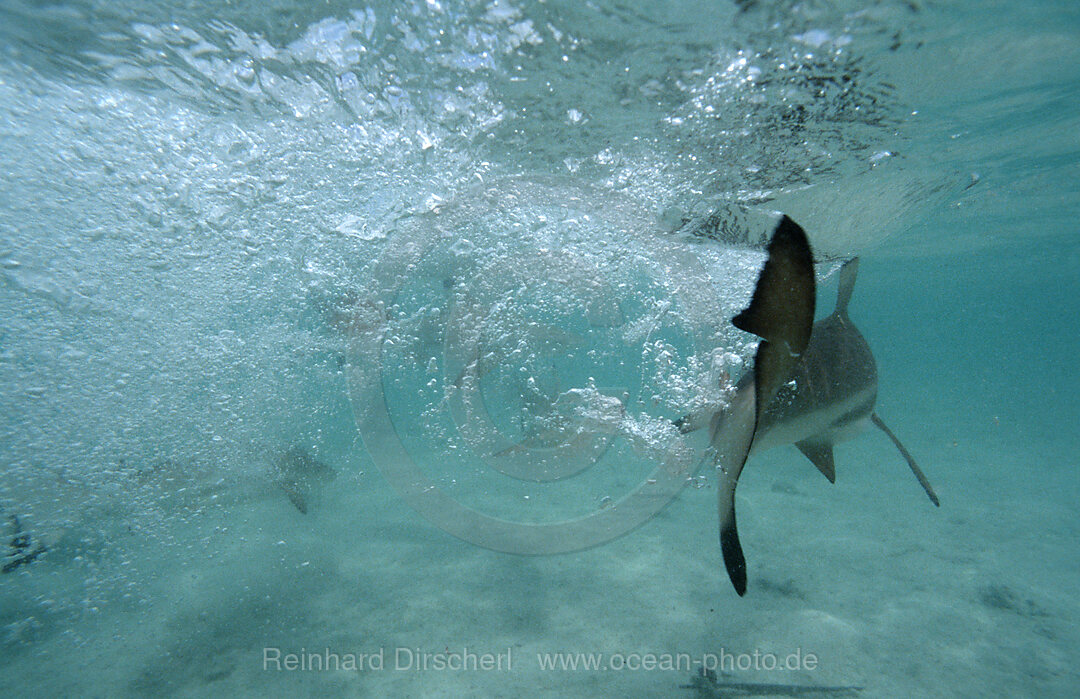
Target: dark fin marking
(782, 309)
(20, 553)
(848, 274)
(24, 559)
(910, 459)
(20, 540)
(821, 455)
(734, 560)
(296, 496)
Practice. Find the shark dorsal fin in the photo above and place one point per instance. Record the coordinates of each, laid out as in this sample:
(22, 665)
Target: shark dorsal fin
(848, 273)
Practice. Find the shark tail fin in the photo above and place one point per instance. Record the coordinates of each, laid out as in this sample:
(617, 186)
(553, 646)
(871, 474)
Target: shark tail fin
(848, 274)
(910, 459)
(734, 560)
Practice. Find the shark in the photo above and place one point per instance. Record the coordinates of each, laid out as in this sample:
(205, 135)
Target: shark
(812, 384)
(20, 552)
(297, 473)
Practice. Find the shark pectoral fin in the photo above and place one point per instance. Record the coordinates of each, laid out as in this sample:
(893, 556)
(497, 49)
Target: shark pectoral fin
(923, 481)
(781, 311)
(821, 455)
(782, 308)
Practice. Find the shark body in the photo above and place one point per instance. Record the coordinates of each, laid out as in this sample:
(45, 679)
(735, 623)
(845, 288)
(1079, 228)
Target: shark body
(813, 384)
(830, 392)
(298, 473)
(20, 552)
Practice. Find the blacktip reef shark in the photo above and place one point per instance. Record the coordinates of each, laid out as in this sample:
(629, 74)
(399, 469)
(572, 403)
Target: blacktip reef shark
(20, 553)
(812, 385)
(297, 472)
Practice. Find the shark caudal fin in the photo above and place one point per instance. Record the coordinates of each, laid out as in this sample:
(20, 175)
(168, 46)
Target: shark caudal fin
(733, 435)
(781, 312)
(923, 481)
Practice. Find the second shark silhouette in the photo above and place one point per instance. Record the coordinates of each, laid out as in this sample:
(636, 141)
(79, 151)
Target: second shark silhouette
(813, 384)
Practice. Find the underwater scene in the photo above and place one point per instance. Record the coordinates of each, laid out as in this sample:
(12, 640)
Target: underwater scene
(415, 348)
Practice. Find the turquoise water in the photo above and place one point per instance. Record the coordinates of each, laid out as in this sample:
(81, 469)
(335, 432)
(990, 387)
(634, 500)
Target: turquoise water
(359, 329)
